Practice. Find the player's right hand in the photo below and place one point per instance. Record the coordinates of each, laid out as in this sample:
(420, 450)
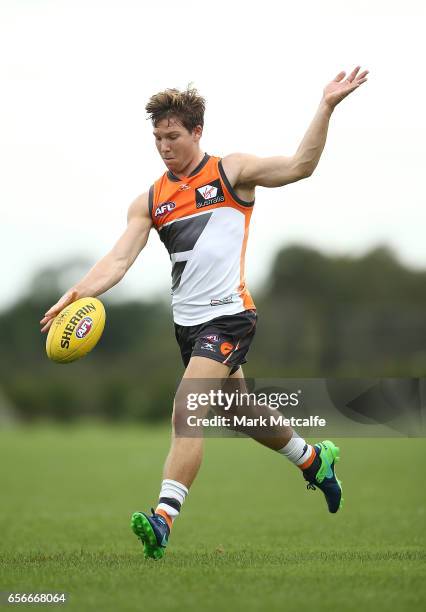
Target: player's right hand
(67, 298)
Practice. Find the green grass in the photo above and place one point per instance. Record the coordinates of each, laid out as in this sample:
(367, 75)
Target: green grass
(250, 537)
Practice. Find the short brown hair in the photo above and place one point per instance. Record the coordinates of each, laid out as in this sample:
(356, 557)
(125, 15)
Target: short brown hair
(186, 106)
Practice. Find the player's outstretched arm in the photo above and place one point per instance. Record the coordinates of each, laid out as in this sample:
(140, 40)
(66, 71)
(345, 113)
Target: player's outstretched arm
(110, 269)
(249, 171)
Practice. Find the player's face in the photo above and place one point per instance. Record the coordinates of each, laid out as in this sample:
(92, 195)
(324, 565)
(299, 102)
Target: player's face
(175, 144)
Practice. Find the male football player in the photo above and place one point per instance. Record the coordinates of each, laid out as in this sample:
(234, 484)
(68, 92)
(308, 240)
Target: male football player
(201, 208)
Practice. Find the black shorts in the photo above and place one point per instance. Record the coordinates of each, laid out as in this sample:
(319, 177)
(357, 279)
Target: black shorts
(225, 339)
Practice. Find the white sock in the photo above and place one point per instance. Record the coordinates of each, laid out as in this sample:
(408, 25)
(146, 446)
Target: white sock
(297, 450)
(172, 496)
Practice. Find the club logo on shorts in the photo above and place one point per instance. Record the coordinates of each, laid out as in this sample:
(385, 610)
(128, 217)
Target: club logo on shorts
(164, 208)
(84, 327)
(209, 194)
(226, 348)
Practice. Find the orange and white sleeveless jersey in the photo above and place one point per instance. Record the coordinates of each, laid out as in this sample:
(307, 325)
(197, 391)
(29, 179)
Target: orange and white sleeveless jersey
(204, 226)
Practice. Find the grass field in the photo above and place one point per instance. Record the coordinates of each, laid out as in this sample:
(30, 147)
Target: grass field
(251, 537)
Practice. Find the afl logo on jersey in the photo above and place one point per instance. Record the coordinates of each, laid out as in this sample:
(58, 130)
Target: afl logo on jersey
(209, 194)
(164, 208)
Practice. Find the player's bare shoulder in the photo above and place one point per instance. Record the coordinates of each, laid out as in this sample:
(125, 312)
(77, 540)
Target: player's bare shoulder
(233, 166)
(249, 171)
(139, 210)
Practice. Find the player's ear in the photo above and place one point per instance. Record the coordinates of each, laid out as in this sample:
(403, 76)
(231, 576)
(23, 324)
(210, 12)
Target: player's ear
(197, 132)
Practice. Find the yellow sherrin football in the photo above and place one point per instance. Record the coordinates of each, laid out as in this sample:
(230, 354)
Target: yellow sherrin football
(76, 330)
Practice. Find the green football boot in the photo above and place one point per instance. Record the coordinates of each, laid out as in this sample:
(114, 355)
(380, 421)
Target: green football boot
(321, 475)
(152, 531)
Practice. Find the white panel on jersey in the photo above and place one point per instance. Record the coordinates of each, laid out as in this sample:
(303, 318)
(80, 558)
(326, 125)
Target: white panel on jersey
(183, 256)
(209, 284)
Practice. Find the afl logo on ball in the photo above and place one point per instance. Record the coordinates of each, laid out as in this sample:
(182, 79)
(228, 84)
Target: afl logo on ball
(84, 327)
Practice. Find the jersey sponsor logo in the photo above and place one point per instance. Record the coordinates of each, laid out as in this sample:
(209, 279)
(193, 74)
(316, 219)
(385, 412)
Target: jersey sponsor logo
(209, 194)
(226, 348)
(164, 208)
(84, 327)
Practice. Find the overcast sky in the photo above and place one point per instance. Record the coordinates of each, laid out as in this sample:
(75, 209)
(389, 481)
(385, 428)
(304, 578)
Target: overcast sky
(76, 149)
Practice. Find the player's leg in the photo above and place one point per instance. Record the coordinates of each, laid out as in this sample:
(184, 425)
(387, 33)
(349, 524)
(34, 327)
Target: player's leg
(278, 436)
(316, 462)
(185, 455)
(181, 466)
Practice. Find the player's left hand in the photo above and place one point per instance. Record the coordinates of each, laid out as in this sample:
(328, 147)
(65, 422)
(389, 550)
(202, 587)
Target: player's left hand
(338, 89)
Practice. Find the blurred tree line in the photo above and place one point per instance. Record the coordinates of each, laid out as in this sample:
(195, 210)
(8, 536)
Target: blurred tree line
(318, 316)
